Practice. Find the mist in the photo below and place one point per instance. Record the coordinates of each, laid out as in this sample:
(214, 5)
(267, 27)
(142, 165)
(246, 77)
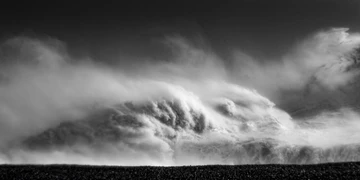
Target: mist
(191, 109)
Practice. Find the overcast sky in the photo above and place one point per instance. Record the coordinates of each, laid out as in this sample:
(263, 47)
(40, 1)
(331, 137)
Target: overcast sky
(264, 29)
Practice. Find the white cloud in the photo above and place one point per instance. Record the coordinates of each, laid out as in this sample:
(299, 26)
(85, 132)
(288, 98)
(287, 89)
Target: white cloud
(185, 111)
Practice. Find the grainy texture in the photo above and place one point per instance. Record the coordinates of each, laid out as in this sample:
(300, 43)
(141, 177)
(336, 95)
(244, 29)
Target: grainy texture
(77, 172)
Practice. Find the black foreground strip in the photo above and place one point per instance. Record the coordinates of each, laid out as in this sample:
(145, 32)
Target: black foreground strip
(349, 170)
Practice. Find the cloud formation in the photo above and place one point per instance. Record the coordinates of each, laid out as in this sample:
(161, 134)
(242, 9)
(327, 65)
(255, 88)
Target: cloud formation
(192, 109)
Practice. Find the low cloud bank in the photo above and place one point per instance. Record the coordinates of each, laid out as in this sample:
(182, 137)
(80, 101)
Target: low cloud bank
(192, 109)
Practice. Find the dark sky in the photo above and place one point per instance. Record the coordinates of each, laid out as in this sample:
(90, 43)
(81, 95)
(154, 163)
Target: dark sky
(261, 28)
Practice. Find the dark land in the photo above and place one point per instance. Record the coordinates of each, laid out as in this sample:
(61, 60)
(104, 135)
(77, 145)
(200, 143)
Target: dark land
(349, 170)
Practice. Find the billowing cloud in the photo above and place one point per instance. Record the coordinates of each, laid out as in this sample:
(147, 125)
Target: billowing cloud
(191, 109)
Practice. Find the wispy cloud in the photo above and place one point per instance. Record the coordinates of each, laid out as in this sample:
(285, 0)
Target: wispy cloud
(191, 109)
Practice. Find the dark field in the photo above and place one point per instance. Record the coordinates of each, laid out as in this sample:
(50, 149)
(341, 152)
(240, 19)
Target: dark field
(321, 171)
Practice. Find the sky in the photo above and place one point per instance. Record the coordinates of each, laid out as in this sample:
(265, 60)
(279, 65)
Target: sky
(199, 78)
(262, 29)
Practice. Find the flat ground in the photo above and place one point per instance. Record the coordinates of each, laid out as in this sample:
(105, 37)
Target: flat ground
(74, 172)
